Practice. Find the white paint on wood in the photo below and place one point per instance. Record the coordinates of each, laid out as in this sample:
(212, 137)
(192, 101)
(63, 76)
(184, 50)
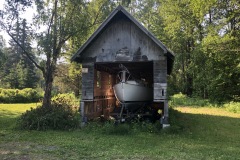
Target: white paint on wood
(84, 70)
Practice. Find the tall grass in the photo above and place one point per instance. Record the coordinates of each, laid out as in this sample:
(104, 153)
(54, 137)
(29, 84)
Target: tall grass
(232, 107)
(183, 100)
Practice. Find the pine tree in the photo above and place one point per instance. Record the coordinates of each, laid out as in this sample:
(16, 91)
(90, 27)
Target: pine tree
(19, 72)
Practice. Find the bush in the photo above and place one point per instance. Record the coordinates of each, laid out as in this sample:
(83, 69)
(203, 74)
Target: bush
(59, 116)
(27, 95)
(66, 98)
(233, 107)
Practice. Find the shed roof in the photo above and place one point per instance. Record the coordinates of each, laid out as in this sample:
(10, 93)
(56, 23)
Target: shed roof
(119, 12)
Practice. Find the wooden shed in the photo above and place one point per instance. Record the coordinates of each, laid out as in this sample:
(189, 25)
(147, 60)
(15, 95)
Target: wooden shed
(121, 39)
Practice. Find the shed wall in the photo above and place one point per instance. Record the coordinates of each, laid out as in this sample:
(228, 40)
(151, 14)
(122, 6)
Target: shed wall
(123, 41)
(88, 81)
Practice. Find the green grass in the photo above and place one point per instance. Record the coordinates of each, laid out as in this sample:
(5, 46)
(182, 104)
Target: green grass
(183, 100)
(196, 133)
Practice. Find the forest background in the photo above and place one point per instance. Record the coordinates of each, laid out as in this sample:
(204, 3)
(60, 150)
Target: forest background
(204, 35)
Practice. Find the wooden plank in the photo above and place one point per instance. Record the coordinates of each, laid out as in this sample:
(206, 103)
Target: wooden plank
(160, 91)
(160, 71)
(160, 80)
(123, 35)
(105, 90)
(87, 82)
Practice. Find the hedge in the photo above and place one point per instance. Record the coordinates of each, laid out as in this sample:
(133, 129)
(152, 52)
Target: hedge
(26, 95)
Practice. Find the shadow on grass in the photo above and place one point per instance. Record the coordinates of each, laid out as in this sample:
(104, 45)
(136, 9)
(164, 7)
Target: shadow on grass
(205, 126)
(8, 120)
(191, 136)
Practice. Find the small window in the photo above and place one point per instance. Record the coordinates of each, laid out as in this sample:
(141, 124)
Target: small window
(98, 79)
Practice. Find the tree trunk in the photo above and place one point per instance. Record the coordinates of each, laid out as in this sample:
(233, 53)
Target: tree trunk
(189, 89)
(189, 77)
(48, 88)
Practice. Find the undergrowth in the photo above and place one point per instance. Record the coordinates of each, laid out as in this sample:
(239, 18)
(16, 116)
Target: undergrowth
(135, 127)
(183, 100)
(232, 107)
(61, 115)
(121, 129)
(180, 99)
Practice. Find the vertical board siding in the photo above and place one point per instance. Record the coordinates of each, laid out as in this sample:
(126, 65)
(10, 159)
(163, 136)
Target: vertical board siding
(105, 90)
(87, 82)
(123, 34)
(160, 79)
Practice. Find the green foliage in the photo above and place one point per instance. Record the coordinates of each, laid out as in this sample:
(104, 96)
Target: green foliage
(233, 107)
(183, 100)
(66, 98)
(17, 71)
(123, 129)
(68, 78)
(207, 52)
(26, 95)
(61, 115)
(180, 99)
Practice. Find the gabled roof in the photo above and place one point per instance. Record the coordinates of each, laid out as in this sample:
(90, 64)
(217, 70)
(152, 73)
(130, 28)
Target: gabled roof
(119, 11)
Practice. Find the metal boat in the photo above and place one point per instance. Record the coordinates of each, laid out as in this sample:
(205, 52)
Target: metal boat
(129, 90)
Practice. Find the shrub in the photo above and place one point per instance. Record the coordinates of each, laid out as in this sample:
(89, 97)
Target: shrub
(59, 116)
(66, 98)
(26, 95)
(233, 107)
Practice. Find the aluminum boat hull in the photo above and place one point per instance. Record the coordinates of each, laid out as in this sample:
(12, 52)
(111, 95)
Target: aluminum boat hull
(130, 91)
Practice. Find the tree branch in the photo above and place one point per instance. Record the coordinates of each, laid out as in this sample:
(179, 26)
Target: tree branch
(26, 53)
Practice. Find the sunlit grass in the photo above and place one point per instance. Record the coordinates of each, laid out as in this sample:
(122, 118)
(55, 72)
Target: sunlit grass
(208, 111)
(15, 109)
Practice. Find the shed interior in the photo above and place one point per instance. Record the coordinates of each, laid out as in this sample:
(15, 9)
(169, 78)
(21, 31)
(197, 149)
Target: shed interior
(105, 77)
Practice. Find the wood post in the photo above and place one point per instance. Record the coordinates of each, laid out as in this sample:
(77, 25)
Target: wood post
(82, 111)
(165, 118)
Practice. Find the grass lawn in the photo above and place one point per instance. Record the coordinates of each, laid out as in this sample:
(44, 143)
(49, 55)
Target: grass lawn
(196, 133)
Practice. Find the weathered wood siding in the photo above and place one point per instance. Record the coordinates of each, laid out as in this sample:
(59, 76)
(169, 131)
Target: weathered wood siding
(103, 93)
(88, 81)
(123, 41)
(105, 87)
(97, 92)
(160, 80)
